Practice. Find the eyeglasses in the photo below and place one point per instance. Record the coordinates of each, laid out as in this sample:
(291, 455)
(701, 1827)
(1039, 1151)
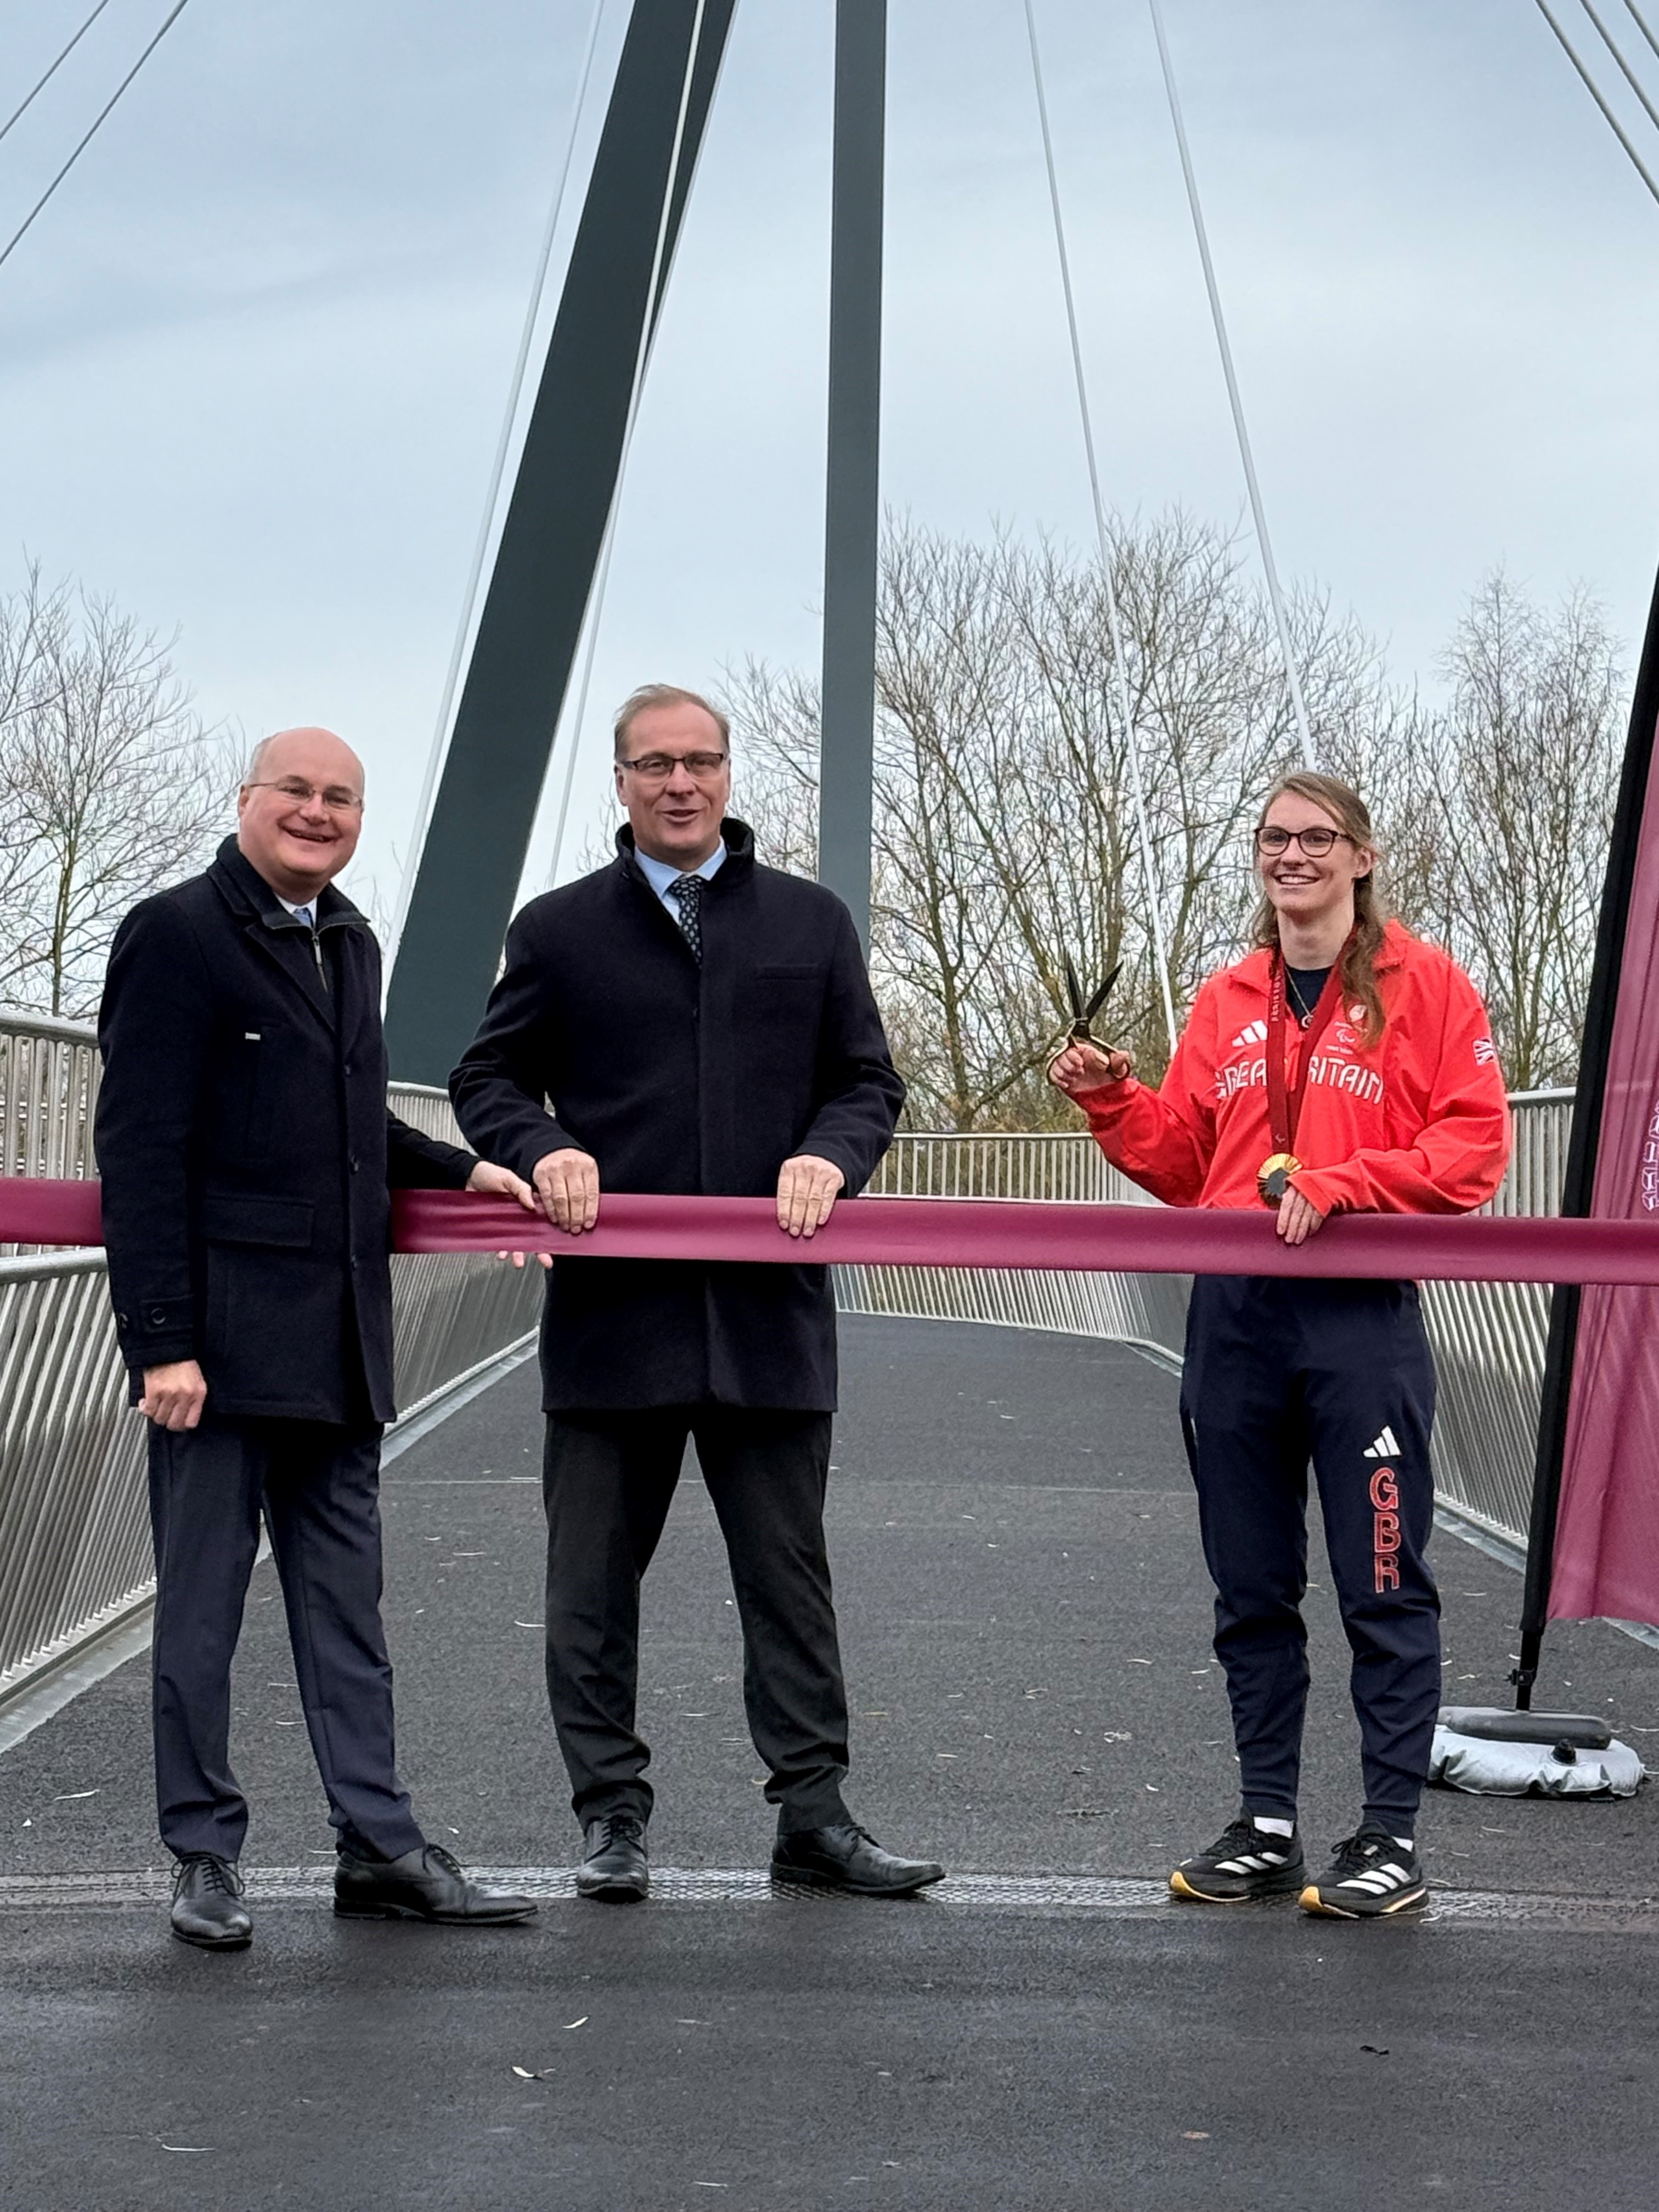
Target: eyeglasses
(1315, 842)
(335, 797)
(657, 768)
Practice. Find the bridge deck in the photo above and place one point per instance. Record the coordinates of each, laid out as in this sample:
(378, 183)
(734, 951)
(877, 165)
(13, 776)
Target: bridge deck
(1025, 1617)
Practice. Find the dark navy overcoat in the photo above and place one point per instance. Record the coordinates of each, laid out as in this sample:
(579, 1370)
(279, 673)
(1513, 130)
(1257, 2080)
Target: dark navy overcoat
(247, 1149)
(606, 1033)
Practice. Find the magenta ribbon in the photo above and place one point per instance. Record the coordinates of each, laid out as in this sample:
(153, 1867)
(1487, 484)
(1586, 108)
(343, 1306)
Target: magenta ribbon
(971, 1232)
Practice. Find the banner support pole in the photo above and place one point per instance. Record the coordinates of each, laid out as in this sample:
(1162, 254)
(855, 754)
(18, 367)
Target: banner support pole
(1583, 1145)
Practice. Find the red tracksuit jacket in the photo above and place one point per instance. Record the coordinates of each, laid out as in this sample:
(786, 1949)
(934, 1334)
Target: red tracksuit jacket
(1416, 1123)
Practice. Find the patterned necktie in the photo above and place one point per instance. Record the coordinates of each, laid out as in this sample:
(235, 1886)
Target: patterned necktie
(686, 891)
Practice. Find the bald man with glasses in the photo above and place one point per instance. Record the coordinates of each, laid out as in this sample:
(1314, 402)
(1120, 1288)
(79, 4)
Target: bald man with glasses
(247, 1156)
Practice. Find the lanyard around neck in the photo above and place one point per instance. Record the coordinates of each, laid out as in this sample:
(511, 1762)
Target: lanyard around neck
(1283, 1099)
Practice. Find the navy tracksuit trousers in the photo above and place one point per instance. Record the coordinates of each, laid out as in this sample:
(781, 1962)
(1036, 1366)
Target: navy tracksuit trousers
(1280, 1373)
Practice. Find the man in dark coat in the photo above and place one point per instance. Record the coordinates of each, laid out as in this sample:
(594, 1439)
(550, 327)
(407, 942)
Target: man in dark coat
(246, 1153)
(686, 1020)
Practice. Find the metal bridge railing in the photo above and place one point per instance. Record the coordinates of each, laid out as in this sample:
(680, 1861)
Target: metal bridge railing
(49, 1072)
(1488, 1338)
(75, 1548)
(74, 1536)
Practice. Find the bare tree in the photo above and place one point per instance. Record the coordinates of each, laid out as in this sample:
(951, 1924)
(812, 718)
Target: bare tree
(110, 787)
(1524, 764)
(1005, 834)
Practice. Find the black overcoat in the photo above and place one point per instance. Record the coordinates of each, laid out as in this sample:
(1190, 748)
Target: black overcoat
(247, 1149)
(681, 1076)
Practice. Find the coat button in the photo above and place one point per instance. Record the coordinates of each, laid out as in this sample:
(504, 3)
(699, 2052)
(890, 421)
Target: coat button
(348, 1068)
(157, 1315)
(355, 1163)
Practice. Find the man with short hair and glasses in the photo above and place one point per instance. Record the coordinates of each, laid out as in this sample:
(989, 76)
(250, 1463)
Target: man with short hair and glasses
(687, 1020)
(247, 1155)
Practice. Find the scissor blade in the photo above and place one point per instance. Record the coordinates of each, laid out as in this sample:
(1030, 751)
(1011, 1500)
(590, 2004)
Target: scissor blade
(1102, 994)
(1074, 992)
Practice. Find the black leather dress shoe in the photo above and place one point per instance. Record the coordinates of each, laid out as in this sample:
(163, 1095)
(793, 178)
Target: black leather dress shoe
(207, 1904)
(614, 1867)
(423, 1885)
(844, 1858)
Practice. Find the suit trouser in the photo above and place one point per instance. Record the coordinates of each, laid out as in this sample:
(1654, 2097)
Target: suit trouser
(1278, 1372)
(608, 1481)
(319, 1487)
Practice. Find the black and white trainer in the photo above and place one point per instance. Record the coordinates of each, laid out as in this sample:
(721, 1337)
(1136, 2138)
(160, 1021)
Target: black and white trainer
(1244, 1861)
(1371, 1876)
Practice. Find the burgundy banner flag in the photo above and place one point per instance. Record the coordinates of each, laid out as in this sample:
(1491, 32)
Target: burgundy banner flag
(1594, 1546)
(1607, 1536)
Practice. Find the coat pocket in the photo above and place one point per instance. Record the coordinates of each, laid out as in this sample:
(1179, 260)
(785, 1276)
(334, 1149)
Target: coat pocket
(276, 1311)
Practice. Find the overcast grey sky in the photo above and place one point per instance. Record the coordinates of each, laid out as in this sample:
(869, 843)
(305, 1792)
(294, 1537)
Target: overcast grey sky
(255, 352)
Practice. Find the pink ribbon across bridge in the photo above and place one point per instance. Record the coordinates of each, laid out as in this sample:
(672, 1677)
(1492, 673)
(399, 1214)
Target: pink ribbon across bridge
(950, 1232)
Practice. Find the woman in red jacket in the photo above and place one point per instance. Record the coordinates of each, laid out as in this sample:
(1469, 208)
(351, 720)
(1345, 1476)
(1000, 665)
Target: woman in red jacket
(1342, 1066)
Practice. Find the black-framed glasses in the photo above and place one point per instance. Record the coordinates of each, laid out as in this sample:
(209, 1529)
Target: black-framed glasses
(335, 797)
(1315, 842)
(657, 768)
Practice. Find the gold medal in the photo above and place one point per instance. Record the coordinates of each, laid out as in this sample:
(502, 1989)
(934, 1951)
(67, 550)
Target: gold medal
(1272, 1178)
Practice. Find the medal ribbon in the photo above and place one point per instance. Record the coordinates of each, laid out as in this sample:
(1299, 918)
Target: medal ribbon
(1285, 1100)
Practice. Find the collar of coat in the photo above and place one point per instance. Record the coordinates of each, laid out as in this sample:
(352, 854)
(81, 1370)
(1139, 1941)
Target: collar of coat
(739, 854)
(250, 896)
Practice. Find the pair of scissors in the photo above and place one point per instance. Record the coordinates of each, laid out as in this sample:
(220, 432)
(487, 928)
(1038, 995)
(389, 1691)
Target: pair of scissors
(1084, 1013)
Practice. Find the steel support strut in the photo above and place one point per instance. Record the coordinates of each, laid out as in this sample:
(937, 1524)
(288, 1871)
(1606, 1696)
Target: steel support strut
(555, 525)
(853, 509)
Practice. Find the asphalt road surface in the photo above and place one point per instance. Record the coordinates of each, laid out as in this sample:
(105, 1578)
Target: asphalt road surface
(1025, 1622)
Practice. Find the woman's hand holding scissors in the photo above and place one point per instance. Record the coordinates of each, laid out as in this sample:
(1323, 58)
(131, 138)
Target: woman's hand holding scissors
(1081, 1067)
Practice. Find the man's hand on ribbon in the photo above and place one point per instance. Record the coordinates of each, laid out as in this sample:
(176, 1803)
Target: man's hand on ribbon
(568, 1185)
(501, 1182)
(1083, 1067)
(807, 1189)
(174, 1394)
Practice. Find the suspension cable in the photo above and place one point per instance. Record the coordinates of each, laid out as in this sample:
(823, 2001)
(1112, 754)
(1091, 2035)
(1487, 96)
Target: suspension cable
(1594, 92)
(1292, 679)
(17, 236)
(1125, 707)
(1631, 78)
(648, 323)
(40, 86)
(1641, 25)
(469, 597)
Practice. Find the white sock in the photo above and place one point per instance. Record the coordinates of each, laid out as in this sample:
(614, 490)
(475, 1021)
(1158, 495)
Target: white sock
(1272, 1827)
